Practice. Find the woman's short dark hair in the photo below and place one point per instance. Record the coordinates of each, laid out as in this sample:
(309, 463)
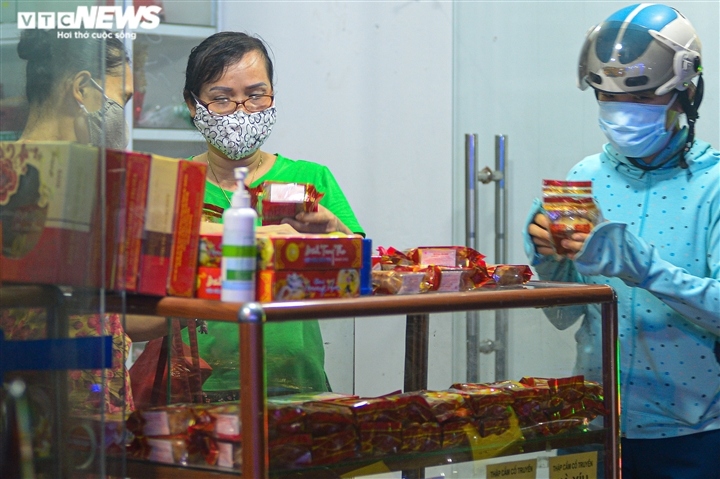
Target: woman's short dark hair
(209, 60)
(50, 59)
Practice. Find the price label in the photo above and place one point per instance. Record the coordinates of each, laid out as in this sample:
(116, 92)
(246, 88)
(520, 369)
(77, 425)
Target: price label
(574, 466)
(512, 470)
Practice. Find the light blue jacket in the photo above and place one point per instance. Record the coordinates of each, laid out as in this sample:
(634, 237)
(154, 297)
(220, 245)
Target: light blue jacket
(659, 248)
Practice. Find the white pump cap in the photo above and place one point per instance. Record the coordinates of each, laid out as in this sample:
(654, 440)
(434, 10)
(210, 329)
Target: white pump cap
(241, 197)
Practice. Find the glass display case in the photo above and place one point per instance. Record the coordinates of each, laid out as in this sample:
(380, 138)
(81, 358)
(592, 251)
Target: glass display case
(599, 436)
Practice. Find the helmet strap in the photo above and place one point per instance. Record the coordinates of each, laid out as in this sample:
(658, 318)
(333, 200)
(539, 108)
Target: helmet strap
(643, 166)
(691, 112)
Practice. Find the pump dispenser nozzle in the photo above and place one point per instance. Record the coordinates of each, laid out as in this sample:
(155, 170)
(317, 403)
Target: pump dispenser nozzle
(241, 172)
(241, 197)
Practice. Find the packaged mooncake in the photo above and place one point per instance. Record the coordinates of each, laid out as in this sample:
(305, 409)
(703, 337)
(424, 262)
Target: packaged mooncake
(570, 208)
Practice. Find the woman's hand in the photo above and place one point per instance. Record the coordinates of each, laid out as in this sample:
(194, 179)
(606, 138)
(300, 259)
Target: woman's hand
(574, 243)
(321, 221)
(539, 231)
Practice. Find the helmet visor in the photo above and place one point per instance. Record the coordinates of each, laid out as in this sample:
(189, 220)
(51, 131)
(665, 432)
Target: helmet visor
(583, 60)
(622, 57)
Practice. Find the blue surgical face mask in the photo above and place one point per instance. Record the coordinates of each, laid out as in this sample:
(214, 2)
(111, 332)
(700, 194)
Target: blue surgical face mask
(636, 130)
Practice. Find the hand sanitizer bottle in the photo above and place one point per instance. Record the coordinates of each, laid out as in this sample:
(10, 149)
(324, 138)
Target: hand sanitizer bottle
(239, 251)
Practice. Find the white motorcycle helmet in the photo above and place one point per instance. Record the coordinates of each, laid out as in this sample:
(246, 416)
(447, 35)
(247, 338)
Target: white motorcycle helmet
(644, 47)
(638, 48)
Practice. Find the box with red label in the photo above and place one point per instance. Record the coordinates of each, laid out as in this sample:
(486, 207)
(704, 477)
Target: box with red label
(128, 173)
(209, 283)
(186, 228)
(210, 247)
(307, 284)
(309, 252)
(275, 200)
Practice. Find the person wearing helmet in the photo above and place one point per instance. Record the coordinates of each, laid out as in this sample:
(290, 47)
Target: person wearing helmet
(658, 188)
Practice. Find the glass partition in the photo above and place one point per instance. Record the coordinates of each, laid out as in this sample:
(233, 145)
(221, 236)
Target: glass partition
(69, 211)
(65, 395)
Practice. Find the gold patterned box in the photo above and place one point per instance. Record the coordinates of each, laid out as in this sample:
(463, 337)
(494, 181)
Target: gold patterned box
(309, 252)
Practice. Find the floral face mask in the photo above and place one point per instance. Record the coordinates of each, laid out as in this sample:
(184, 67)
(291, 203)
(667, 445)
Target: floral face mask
(237, 135)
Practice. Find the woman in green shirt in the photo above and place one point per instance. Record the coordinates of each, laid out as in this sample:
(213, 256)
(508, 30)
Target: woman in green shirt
(229, 91)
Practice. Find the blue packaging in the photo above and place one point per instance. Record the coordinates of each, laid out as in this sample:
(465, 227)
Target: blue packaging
(366, 269)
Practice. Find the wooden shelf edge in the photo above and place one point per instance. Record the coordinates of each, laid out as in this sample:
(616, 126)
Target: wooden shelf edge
(535, 294)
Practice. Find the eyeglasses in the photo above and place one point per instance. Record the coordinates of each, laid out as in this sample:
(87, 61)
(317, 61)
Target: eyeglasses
(253, 104)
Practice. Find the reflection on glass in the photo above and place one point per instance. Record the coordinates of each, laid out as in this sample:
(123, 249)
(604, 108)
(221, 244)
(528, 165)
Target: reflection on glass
(158, 66)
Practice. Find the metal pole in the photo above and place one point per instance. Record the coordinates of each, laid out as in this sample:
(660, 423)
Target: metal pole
(471, 240)
(501, 316)
(58, 328)
(471, 213)
(610, 388)
(253, 392)
(417, 332)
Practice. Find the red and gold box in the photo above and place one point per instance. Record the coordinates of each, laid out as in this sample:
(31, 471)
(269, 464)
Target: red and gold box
(287, 285)
(209, 282)
(307, 284)
(289, 267)
(210, 247)
(186, 228)
(309, 252)
(275, 200)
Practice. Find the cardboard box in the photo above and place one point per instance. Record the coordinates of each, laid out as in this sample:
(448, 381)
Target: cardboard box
(131, 171)
(309, 252)
(159, 224)
(113, 223)
(210, 245)
(49, 211)
(209, 282)
(186, 228)
(283, 285)
(275, 200)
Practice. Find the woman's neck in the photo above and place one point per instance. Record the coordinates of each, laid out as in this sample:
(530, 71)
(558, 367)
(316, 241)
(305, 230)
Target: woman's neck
(48, 127)
(221, 170)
